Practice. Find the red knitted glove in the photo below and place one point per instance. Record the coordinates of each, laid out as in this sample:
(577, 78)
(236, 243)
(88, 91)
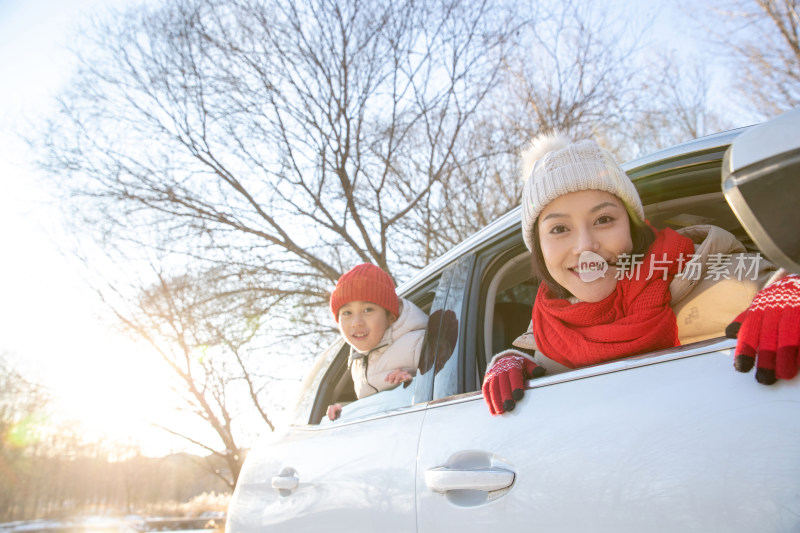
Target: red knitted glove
(769, 332)
(504, 383)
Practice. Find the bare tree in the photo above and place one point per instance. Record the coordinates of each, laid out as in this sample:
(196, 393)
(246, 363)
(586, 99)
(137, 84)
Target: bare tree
(761, 39)
(290, 138)
(574, 70)
(187, 320)
(566, 65)
(679, 109)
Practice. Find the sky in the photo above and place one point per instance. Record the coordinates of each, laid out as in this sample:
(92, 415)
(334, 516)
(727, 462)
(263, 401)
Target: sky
(51, 322)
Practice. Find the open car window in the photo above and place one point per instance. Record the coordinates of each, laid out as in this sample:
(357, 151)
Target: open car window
(335, 385)
(509, 302)
(509, 289)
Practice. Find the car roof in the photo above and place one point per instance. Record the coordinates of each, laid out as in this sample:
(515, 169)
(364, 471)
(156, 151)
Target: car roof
(643, 171)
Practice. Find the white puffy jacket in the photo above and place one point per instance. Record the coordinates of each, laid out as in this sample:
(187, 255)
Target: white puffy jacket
(400, 347)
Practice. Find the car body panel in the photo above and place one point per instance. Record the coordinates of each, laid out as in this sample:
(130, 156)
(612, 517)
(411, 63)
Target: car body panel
(355, 477)
(676, 445)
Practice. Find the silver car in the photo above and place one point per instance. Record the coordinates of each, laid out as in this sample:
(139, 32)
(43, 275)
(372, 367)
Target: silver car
(674, 440)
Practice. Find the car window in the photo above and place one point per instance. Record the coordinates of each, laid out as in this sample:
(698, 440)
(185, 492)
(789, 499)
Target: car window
(508, 288)
(335, 383)
(510, 293)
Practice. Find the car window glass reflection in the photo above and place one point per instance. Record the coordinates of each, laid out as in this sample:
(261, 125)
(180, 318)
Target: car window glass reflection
(381, 402)
(446, 366)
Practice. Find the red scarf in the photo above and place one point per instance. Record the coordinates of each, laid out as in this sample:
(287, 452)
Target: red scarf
(635, 318)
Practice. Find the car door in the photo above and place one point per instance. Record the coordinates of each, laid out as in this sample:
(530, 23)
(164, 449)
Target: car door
(355, 474)
(677, 441)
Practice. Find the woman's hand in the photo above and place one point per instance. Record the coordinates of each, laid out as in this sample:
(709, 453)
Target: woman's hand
(769, 332)
(504, 383)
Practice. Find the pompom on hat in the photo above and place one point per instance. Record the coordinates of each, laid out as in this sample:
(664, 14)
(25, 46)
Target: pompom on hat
(553, 166)
(366, 283)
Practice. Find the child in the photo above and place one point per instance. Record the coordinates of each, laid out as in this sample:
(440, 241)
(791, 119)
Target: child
(384, 332)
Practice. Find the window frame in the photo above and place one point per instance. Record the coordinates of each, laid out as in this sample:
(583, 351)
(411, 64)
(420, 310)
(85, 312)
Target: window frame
(489, 261)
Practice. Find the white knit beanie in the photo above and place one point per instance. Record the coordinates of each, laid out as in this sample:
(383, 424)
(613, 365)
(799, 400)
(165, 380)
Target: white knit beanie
(553, 166)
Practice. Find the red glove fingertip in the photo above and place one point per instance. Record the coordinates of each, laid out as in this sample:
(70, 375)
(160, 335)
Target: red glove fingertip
(529, 367)
(504, 388)
(732, 331)
(516, 382)
(744, 363)
(766, 376)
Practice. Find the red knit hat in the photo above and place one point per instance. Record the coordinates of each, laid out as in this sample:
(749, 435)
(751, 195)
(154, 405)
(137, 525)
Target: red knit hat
(366, 283)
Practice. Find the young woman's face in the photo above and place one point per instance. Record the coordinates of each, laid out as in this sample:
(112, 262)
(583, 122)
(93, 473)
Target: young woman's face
(584, 221)
(363, 324)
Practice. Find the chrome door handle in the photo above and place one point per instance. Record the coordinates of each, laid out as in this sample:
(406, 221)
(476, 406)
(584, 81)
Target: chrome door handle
(443, 479)
(285, 482)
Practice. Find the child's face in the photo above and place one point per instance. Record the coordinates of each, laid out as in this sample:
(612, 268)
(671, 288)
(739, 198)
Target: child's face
(594, 221)
(363, 324)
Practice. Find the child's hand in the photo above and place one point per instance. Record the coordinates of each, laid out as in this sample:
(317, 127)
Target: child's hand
(398, 376)
(334, 411)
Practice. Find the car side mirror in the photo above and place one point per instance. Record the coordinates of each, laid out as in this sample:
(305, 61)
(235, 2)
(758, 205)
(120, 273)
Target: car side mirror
(761, 182)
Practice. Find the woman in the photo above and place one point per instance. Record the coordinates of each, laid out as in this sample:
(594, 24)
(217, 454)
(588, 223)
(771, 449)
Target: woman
(613, 286)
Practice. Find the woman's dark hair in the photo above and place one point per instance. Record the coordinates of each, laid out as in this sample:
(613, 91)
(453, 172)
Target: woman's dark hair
(642, 236)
